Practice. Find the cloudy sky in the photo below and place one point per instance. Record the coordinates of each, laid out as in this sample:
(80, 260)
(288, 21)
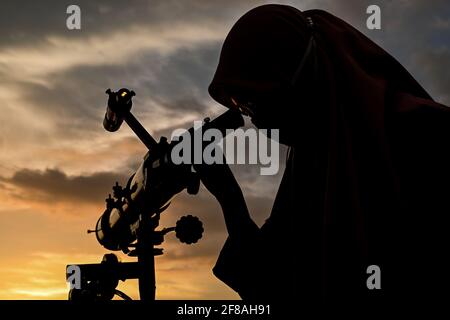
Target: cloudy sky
(57, 163)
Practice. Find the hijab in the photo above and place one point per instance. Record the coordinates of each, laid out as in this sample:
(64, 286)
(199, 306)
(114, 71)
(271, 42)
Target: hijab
(365, 180)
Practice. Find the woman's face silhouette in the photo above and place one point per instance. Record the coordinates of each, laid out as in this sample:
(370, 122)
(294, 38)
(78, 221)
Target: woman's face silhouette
(269, 110)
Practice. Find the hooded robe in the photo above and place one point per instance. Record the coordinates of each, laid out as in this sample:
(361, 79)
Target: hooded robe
(367, 177)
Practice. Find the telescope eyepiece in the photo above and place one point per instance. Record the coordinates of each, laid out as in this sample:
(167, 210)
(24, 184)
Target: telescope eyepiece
(119, 105)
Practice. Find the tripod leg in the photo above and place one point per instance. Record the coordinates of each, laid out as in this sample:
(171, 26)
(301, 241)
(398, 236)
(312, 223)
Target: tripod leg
(146, 258)
(147, 281)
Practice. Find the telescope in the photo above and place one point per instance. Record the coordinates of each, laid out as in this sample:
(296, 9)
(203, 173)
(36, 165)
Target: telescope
(133, 211)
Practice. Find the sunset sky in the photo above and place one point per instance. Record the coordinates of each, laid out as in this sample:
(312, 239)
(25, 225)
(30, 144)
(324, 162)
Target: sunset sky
(58, 164)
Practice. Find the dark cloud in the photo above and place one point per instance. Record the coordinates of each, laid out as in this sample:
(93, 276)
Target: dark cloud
(55, 186)
(34, 22)
(74, 110)
(75, 99)
(185, 74)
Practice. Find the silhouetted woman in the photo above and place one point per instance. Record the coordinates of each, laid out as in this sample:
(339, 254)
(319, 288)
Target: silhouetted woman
(366, 181)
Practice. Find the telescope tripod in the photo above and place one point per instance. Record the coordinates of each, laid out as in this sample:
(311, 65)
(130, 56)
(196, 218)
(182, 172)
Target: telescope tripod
(99, 281)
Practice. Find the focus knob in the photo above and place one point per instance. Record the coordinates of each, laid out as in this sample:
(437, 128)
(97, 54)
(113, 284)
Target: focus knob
(189, 229)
